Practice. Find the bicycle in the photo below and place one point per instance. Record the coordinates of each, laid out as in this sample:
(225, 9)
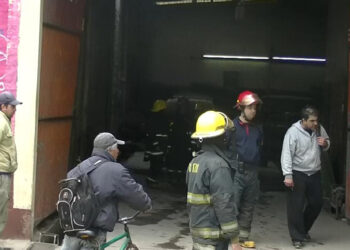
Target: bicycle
(127, 244)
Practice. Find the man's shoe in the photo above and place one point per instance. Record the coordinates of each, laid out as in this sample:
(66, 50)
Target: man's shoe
(298, 244)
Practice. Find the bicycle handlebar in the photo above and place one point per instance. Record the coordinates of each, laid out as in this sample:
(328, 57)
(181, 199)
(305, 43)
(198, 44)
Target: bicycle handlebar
(125, 220)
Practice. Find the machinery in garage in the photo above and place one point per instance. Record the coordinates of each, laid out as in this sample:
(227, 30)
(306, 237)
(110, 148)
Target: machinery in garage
(171, 148)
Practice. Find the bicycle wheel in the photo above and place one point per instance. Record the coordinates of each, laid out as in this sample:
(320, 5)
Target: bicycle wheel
(131, 246)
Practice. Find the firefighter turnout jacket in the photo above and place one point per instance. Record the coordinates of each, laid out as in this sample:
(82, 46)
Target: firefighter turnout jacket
(210, 197)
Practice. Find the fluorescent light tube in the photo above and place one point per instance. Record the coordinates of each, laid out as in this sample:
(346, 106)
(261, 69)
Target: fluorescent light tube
(173, 2)
(300, 59)
(236, 57)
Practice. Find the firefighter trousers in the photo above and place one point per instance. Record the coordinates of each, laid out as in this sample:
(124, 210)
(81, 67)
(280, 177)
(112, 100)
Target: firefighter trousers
(246, 193)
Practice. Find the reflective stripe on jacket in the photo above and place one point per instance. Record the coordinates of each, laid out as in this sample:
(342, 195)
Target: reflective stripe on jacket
(210, 198)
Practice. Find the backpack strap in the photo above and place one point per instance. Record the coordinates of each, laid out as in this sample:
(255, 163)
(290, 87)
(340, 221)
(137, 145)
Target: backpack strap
(95, 165)
(92, 166)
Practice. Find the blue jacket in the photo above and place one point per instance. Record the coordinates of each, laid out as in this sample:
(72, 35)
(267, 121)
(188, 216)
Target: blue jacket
(248, 139)
(112, 183)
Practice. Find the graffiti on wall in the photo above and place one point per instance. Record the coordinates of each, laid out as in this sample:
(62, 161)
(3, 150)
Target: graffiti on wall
(9, 38)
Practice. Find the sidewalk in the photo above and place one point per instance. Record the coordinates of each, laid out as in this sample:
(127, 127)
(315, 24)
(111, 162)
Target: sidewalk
(27, 245)
(15, 244)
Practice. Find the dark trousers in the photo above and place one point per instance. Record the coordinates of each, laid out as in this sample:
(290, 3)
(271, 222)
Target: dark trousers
(304, 203)
(246, 194)
(156, 164)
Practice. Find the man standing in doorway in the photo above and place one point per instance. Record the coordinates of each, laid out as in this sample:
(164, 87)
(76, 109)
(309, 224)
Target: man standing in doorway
(301, 165)
(245, 154)
(8, 153)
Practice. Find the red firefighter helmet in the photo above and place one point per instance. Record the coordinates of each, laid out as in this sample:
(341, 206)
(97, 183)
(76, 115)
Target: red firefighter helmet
(247, 98)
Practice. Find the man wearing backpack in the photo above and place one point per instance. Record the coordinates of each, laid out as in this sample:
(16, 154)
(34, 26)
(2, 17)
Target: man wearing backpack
(112, 183)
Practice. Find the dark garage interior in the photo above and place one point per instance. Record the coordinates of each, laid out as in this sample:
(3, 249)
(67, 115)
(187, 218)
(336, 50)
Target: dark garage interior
(135, 52)
(158, 54)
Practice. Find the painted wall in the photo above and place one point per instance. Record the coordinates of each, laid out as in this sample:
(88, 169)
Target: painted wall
(20, 218)
(9, 23)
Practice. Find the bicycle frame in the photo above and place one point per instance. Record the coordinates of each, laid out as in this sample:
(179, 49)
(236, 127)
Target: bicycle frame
(126, 234)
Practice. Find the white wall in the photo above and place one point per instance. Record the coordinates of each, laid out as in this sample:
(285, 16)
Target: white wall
(27, 92)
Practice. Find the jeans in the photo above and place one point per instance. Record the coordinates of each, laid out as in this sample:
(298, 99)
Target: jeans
(74, 243)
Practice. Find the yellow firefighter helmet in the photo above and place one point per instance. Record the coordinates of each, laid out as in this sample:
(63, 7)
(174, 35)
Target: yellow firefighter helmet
(211, 124)
(158, 105)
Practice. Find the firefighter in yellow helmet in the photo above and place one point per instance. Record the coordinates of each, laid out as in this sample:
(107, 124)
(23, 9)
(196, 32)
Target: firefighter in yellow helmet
(159, 105)
(156, 138)
(209, 180)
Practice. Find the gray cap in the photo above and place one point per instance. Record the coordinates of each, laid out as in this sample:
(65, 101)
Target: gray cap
(105, 140)
(7, 97)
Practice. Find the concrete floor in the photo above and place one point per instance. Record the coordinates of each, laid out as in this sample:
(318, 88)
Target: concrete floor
(165, 227)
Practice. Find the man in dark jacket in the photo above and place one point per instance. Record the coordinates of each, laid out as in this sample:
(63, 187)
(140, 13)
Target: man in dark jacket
(210, 199)
(246, 148)
(113, 184)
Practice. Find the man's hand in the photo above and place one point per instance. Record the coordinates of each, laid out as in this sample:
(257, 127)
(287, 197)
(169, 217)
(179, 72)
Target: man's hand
(322, 142)
(236, 246)
(289, 183)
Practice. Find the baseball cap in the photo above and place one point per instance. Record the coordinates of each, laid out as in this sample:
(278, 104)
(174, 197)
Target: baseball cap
(105, 140)
(7, 97)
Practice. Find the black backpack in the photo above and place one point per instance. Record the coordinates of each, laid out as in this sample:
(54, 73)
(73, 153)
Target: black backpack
(78, 205)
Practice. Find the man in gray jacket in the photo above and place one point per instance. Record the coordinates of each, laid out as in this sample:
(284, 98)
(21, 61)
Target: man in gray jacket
(113, 184)
(301, 165)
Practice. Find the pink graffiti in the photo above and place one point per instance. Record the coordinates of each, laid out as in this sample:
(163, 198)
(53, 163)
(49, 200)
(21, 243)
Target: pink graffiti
(9, 28)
